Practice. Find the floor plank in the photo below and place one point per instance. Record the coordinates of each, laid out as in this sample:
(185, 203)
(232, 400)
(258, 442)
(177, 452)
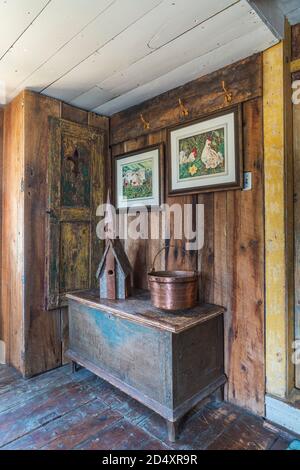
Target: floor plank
(23, 390)
(69, 430)
(40, 410)
(60, 410)
(246, 433)
(198, 430)
(121, 436)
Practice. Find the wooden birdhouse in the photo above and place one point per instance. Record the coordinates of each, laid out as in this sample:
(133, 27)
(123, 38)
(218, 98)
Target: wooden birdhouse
(114, 272)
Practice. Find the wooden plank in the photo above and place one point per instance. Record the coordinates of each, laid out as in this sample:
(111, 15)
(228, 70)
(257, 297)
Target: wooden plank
(204, 95)
(226, 229)
(115, 399)
(55, 26)
(216, 425)
(296, 125)
(74, 114)
(13, 233)
(296, 42)
(206, 254)
(289, 204)
(15, 19)
(70, 430)
(101, 122)
(121, 436)
(277, 207)
(33, 413)
(295, 66)
(80, 51)
(237, 21)
(138, 308)
(201, 426)
(241, 47)
(42, 341)
(174, 24)
(26, 389)
(271, 14)
(247, 368)
(246, 433)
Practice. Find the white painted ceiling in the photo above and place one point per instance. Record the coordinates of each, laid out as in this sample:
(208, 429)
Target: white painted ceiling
(107, 55)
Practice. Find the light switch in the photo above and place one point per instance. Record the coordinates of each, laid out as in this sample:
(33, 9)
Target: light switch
(247, 181)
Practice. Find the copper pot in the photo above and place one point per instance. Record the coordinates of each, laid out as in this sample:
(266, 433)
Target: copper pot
(173, 290)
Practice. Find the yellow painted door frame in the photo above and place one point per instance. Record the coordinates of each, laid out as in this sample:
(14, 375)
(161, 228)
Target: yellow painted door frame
(278, 168)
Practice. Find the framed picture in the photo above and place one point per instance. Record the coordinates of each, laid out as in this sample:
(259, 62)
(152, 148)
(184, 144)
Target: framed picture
(206, 155)
(138, 178)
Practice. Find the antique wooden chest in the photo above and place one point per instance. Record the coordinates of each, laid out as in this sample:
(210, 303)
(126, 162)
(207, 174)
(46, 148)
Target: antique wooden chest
(167, 362)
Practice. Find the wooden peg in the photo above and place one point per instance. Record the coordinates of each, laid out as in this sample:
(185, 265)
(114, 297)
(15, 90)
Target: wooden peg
(183, 110)
(228, 94)
(145, 123)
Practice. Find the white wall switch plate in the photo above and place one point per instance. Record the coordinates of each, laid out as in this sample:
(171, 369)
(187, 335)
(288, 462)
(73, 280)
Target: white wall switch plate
(247, 181)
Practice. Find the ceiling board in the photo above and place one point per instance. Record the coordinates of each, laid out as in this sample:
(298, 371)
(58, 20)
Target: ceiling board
(15, 18)
(105, 55)
(83, 45)
(56, 25)
(131, 45)
(241, 47)
(221, 29)
(92, 98)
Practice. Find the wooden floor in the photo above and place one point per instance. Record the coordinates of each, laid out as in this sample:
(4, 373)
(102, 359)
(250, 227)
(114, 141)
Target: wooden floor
(61, 410)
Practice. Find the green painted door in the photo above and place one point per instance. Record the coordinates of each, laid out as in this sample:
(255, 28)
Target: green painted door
(75, 189)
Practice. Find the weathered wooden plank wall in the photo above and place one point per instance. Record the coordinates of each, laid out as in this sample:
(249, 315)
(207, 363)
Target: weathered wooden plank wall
(296, 188)
(296, 42)
(35, 339)
(13, 231)
(232, 260)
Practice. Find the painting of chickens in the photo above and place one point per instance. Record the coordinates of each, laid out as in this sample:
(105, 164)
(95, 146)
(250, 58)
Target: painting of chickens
(206, 155)
(202, 154)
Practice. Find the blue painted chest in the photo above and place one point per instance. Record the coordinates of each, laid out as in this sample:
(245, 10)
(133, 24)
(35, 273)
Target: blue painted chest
(167, 362)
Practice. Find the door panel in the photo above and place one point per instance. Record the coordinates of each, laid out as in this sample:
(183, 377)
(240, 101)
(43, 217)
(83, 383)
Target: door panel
(75, 260)
(75, 189)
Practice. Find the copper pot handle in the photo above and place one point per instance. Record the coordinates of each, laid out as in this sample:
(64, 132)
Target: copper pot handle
(162, 249)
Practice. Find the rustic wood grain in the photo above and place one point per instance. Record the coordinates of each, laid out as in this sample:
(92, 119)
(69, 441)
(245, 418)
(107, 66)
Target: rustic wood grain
(206, 260)
(246, 339)
(296, 124)
(296, 42)
(42, 341)
(13, 232)
(138, 308)
(74, 114)
(62, 419)
(201, 96)
(233, 229)
(34, 412)
(36, 339)
(244, 434)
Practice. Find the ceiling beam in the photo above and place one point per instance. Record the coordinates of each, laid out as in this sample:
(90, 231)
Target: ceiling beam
(270, 14)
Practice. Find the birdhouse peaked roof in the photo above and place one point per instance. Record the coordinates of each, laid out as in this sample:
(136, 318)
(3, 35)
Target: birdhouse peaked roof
(119, 254)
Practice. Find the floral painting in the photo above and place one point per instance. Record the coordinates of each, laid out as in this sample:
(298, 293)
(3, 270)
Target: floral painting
(205, 155)
(202, 154)
(137, 179)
